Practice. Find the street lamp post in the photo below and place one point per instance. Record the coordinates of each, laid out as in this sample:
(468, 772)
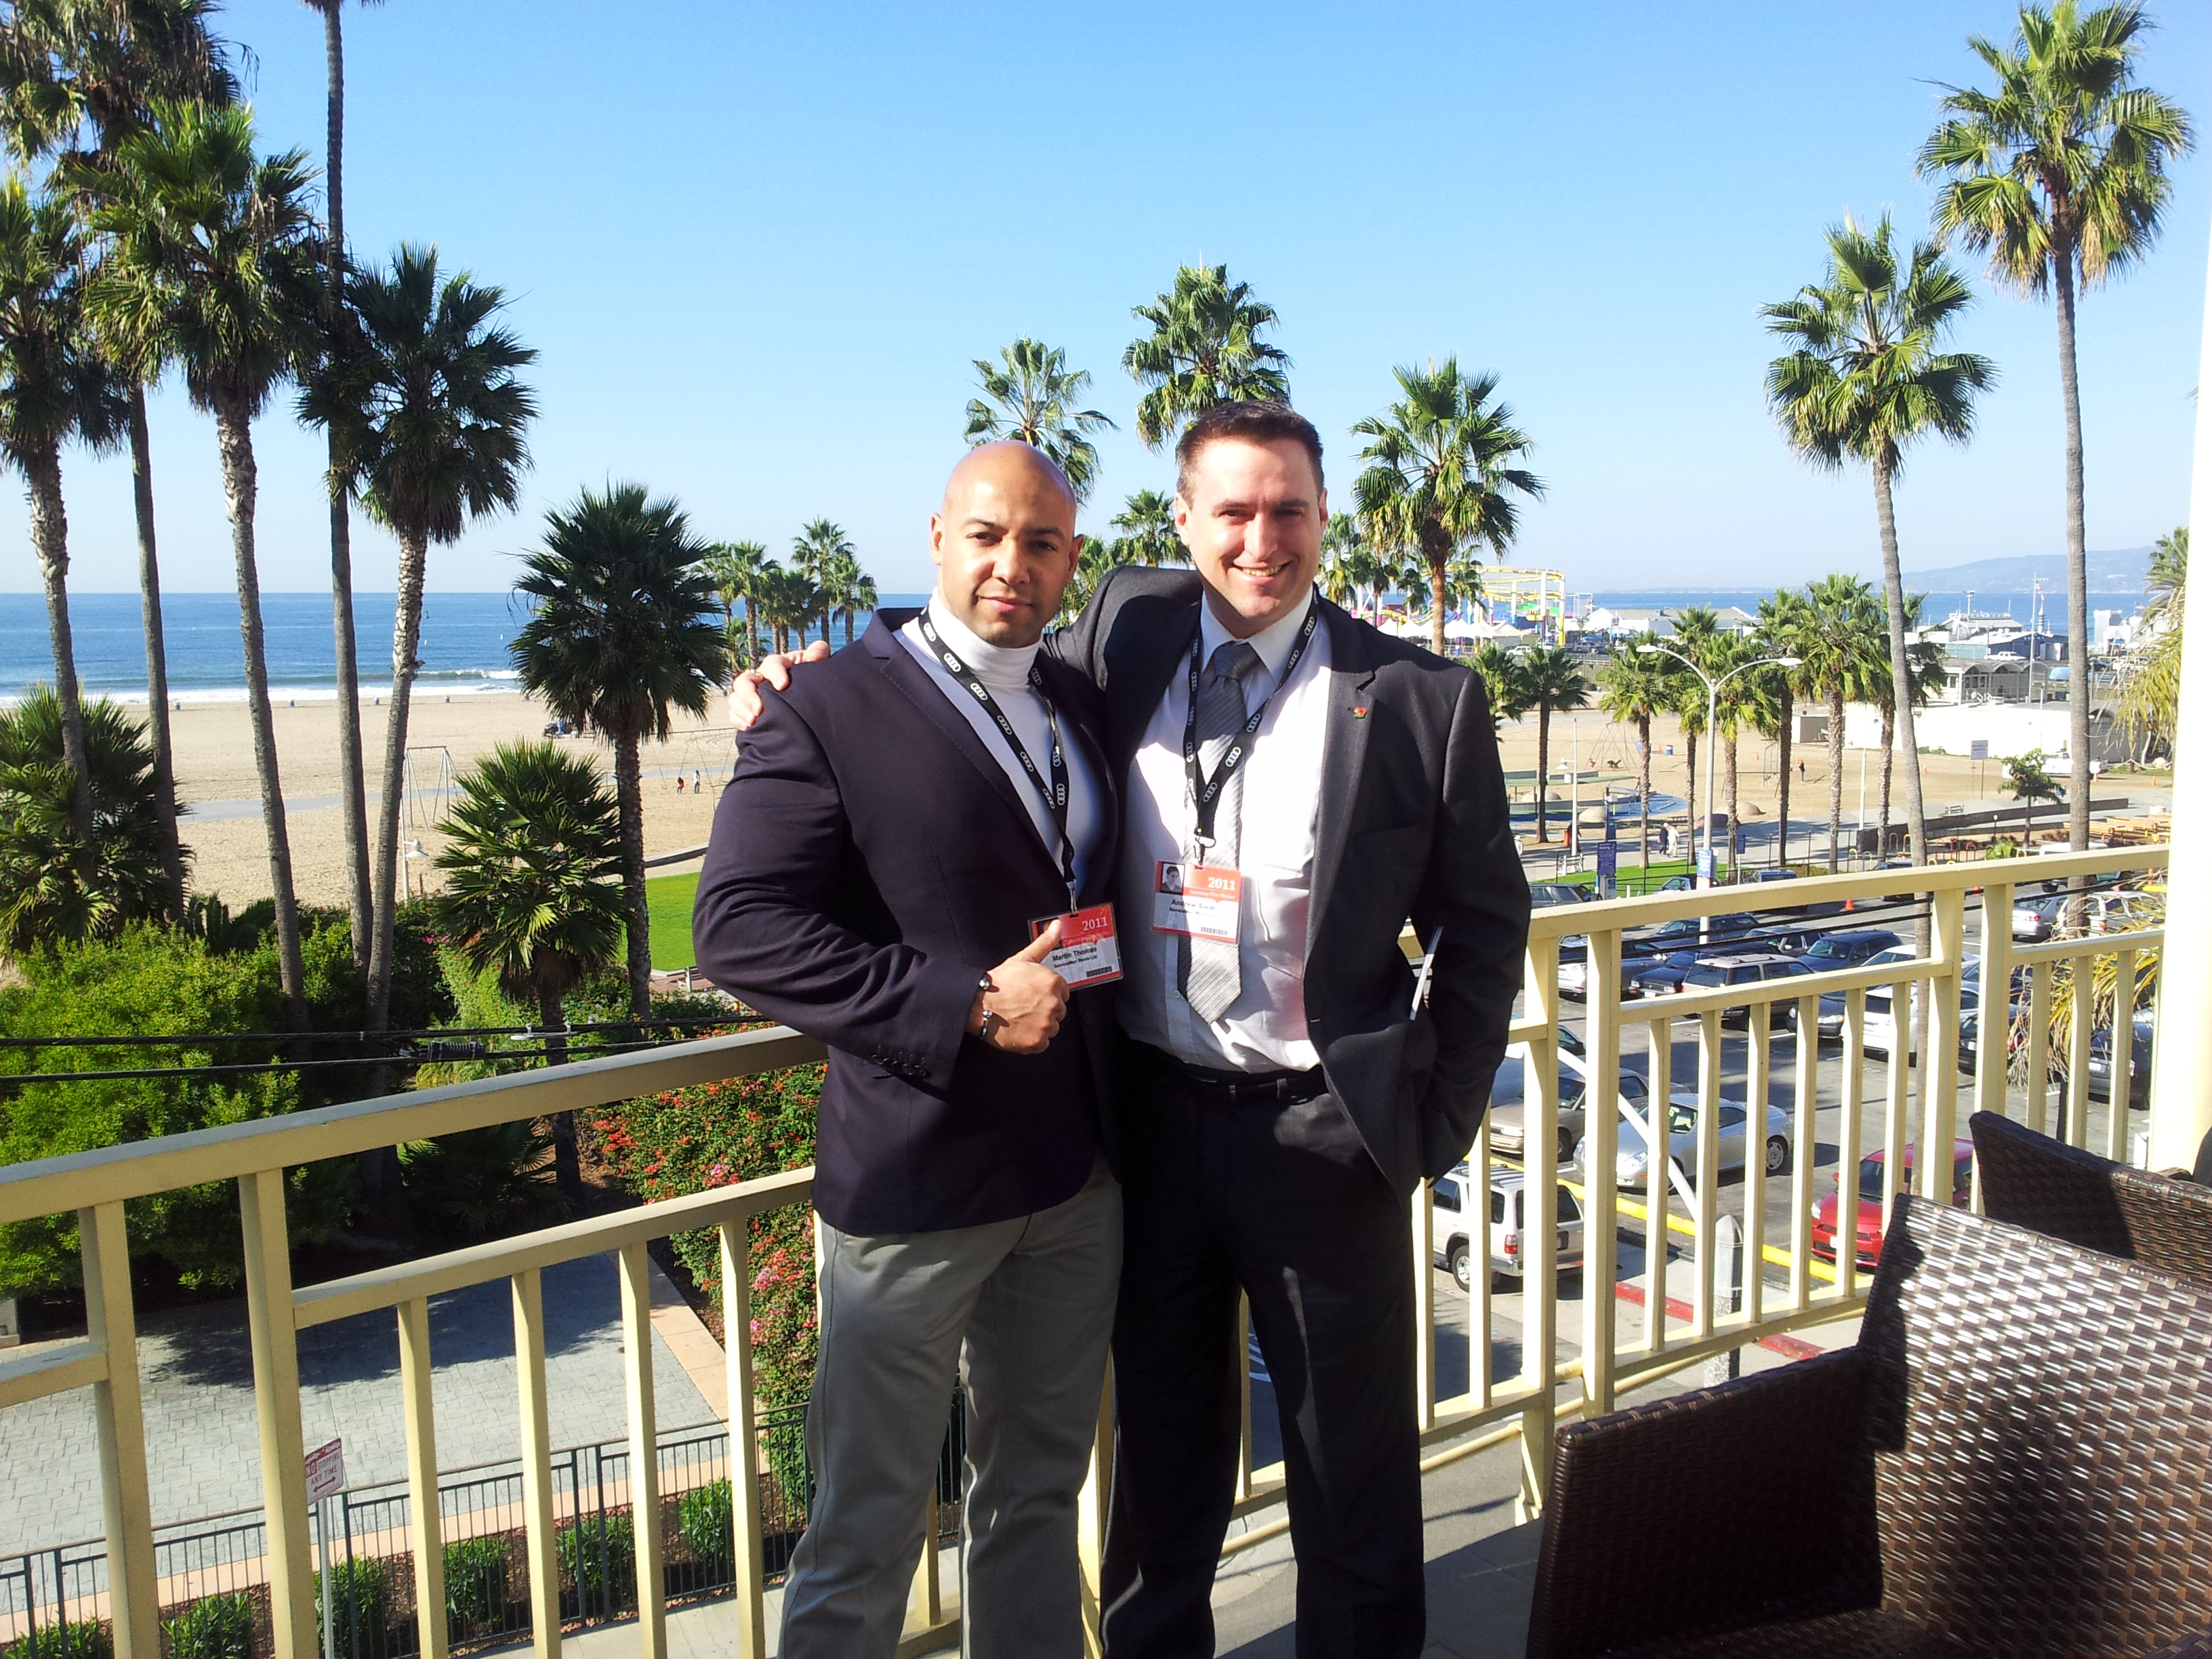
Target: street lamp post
(1712, 719)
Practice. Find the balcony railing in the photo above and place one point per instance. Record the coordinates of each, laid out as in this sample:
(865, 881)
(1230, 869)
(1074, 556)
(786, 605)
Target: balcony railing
(1604, 1349)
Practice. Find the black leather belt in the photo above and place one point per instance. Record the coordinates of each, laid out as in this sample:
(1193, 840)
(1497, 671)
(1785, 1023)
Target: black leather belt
(1235, 1088)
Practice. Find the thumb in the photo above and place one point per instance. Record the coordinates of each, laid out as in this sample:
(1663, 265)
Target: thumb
(815, 652)
(1043, 945)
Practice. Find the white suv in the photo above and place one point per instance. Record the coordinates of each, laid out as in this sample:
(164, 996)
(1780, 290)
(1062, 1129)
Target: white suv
(1451, 1234)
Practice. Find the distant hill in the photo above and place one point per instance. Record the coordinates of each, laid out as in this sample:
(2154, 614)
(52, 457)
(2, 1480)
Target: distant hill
(2120, 571)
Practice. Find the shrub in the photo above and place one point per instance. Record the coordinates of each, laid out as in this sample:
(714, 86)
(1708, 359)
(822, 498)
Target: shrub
(479, 1180)
(667, 1146)
(598, 1564)
(156, 982)
(213, 1627)
(476, 1585)
(81, 1638)
(357, 1592)
(706, 1524)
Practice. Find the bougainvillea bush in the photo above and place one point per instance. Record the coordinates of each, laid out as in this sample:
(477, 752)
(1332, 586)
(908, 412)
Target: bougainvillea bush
(671, 1145)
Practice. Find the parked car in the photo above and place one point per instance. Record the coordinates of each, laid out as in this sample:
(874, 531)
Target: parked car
(1849, 948)
(1686, 939)
(1751, 967)
(1810, 907)
(1509, 1099)
(1632, 1161)
(2108, 911)
(1454, 1231)
(2139, 1056)
(1543, 894)
(1868, 1230)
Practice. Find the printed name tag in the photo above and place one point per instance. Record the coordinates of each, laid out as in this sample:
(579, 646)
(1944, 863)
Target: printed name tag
(1202, 900)
(1088, 954)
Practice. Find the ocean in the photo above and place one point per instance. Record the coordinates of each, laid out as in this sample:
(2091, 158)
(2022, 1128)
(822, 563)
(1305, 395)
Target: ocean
(464, 649)
(1933, 608)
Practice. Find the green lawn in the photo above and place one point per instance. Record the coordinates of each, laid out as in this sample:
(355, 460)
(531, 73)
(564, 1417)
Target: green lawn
(668, 899)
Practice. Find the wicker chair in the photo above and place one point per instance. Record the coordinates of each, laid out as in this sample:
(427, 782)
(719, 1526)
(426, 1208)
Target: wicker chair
(2015, 1460)
(2032, 1180)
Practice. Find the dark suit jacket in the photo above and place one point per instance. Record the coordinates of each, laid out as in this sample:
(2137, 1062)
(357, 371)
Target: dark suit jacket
(871, 860)
(1412, 825)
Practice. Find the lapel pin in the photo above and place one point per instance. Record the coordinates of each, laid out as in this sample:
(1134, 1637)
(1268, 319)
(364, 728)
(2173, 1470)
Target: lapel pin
(1359, 711)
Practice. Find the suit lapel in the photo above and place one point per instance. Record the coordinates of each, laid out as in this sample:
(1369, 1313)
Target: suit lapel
(1351, 672)
(1141, 680)
(914, 683)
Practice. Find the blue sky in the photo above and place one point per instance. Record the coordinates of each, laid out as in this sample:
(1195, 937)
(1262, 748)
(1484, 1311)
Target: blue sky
(758, 247)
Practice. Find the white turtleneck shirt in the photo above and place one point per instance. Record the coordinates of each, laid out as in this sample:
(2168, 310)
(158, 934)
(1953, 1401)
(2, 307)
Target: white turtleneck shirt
(1004, 670)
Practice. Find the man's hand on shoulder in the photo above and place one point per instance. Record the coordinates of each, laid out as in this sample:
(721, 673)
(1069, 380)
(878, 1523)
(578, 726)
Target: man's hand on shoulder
(1020, 1004)
(745, 703)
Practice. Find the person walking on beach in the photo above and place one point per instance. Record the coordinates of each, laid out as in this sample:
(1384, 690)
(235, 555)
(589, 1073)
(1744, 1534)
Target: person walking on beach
(1314, 784)
(910, 863)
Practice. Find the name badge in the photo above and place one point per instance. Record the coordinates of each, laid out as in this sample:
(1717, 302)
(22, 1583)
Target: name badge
(1088, 953)
(1202, 900)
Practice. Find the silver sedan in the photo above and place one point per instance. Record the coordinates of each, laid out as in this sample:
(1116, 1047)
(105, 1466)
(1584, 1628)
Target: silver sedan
(1632, 1161)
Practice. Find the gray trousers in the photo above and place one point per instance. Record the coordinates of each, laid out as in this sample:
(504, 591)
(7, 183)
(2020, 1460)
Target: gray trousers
(1018, 1312)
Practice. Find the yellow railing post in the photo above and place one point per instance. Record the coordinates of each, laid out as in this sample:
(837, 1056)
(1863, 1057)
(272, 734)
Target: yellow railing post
(1939, 1067)
(1706, 1224)
(1601, 1145)
(1804, 1145)
(277, 1406)
(1849, 1135)
(1539, 1236)
(132, 1598)
(1993, 1015)
(1759, 1067)
(744, 1439)
(644, 1451)
(537, 1516)
(429, 1530)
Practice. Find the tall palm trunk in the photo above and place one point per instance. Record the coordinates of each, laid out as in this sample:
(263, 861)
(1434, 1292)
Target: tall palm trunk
(42, 470)
(352, 772)
(1436, 625)
(567, 1172)
(406, 632)
(235, 441)
(2077, 554)
(1888, 763)
(1690, 799)
(1543, 770)
(629, 798)
(1835, 770)
(157, 654)
(1643, 789)
(1729, 783)
(1901, 670)
(1782, 751)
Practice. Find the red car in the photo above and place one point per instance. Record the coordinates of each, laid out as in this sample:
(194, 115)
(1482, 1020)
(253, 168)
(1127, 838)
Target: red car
(1869, 1218)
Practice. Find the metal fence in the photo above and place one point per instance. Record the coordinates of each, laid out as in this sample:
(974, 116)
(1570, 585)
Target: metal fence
(213, 1572)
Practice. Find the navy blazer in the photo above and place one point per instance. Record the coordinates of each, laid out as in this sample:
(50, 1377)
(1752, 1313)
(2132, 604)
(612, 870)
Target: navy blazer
(871, 861)
(1412, 825)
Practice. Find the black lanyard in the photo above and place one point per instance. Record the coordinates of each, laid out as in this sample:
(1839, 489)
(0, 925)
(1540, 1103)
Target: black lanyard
(1206, 797)
(1055, 791)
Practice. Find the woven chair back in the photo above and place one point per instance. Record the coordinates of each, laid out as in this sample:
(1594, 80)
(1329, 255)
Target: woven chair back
(2040, 1420)
(2031, 1181)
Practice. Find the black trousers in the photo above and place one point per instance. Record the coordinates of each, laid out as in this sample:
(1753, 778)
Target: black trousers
(1282, 1202)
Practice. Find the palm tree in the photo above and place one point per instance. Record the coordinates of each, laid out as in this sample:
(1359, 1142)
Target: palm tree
(353, 773)
(860, 595)
(56, 883)
(1865, 381)
(2028, 783)
(1744, 699)
(1146, 522)
(53, 387)
(1204, 349)
(817, 553)
(1842, 648)
(2059, 176)
(1697, 637)
(1924, 664)
(2150, 701)
(210, 263)
(1439, 472)
(1780, 617)
(1504, 683)
(533, 889)
(1550, 679)
(622, 633)
(736, 567)
(76, 70)
(1635, 688)
(1031, 395)
(1346, 562)
(426, 416)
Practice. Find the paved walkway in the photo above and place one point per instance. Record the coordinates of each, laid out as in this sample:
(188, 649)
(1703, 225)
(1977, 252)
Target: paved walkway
(204, 1448)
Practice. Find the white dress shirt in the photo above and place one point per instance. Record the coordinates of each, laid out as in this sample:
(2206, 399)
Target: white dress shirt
(1266, 1027)
(1004, 670)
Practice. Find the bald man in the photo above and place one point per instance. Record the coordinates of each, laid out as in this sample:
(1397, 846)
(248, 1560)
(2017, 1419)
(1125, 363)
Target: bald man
(913, 863)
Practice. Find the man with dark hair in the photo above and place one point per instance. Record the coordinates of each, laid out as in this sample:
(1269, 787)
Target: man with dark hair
(897, 830)
(1315, 785)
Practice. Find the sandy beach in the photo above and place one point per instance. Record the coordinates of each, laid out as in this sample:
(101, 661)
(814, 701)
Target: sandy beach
(215, 773)
(213, 749)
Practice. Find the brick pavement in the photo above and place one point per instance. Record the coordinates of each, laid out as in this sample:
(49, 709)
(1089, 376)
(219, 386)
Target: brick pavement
(203, 1447)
